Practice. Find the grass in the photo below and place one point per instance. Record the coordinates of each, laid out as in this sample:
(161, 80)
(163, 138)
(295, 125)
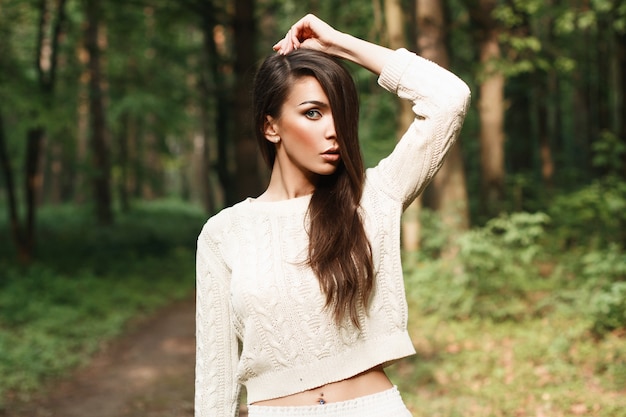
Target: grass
(543, 359)
(87, 285)
(542, 367)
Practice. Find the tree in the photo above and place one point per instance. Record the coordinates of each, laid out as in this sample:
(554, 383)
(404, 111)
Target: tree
(396, 38)
(247, 176)
(533, 119)
(546, 89)
(7, 171)
(448, 191)
(49, 34)
(100, 152)
(215, 83)
(621, 109)
(491, 106)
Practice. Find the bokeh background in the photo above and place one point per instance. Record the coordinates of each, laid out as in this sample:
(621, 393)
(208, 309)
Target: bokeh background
(125, 124)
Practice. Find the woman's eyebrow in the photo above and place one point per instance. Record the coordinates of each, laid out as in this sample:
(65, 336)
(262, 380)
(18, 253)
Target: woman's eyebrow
(315, 102)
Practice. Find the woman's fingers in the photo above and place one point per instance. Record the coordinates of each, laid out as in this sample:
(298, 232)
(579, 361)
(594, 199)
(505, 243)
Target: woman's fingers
(308, 32)
(287, 44)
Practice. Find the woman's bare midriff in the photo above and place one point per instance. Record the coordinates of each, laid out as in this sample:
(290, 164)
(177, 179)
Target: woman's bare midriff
(369, 382)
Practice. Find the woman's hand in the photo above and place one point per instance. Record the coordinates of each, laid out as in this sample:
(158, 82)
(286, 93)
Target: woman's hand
(313, 33)
(309, 32)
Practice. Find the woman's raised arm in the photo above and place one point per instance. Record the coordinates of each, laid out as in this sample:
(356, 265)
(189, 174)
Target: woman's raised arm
(313, 33)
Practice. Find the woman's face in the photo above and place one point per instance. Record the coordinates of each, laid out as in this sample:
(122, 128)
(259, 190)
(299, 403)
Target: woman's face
(306, 142)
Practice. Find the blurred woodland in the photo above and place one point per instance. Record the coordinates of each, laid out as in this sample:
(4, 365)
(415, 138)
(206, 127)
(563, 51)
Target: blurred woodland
(107, 106)
(106, 103)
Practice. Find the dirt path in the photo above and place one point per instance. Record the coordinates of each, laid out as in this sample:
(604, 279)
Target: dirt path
(147, 373)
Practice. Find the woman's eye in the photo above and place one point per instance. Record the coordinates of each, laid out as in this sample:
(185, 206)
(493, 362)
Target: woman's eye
(313, 114)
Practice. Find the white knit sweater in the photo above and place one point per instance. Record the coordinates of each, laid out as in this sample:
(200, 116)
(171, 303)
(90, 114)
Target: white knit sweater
(260, 318)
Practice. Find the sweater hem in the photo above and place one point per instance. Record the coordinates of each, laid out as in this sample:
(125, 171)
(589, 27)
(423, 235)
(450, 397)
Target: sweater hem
(337, 367)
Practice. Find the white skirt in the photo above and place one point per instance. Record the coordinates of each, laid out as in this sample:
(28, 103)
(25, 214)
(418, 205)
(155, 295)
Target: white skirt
(382, 404)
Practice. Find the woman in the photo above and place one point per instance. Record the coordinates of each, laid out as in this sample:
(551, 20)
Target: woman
(300, 296)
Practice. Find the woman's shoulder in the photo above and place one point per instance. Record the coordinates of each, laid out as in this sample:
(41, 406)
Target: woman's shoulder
(222, 222)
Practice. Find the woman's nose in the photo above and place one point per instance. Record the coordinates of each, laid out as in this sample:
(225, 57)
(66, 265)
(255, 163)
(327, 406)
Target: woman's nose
(330, 129)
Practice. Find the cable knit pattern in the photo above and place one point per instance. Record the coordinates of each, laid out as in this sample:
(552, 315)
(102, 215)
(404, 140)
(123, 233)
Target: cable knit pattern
(260, 316)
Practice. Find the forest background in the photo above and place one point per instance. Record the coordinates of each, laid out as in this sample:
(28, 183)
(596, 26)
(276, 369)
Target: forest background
(125, 124)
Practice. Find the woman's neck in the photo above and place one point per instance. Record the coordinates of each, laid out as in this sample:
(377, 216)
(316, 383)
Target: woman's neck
(285, 185)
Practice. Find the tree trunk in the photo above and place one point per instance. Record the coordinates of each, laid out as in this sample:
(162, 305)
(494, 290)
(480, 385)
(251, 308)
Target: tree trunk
(545, 148)
(432, 22)
(580, 148)
(448, 192)
(246, 152)
(396, 38)
(621, 105)
(23, 253)
(150, 161)
(621, 110)
(490, 106)
(34, 141)
(99, 146)
(394, 20)
(122, 144)
(53, 178)
(214, 43)
(45, 64)
(546, 99)
(520, 119)
(132, 145)
(604, 55)
(202, 145)
(82, 129)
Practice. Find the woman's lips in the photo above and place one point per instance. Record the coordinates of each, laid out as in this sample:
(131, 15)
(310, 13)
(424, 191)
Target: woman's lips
(331, 155)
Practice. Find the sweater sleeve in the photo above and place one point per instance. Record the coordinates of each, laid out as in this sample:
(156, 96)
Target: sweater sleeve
(217, 350)
(440, 101)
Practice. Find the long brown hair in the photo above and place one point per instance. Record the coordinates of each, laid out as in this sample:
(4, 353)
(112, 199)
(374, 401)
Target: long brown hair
(339, 251)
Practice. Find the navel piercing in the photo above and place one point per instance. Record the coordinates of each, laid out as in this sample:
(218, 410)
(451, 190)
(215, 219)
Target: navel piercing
(321, 400)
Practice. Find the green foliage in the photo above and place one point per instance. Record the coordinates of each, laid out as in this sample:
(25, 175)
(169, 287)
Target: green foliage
(89, 285)
(434, 234)
(525, 49)
(69, 237)
(608, 153)
(509, 269)
(595, 215)
(603, 276)
(494, 274)
(499, 262)
(554, 302)
(609, 308)
(378, 116)
(601, 267)
(572, 19)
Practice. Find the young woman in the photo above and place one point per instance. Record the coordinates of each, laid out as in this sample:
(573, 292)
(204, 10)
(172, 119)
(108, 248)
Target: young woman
(300, 295)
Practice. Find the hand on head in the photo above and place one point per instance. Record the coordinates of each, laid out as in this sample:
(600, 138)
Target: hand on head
(309, 32)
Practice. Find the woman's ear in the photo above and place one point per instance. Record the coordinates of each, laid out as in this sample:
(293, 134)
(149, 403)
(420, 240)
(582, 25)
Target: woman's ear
(271, 130)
